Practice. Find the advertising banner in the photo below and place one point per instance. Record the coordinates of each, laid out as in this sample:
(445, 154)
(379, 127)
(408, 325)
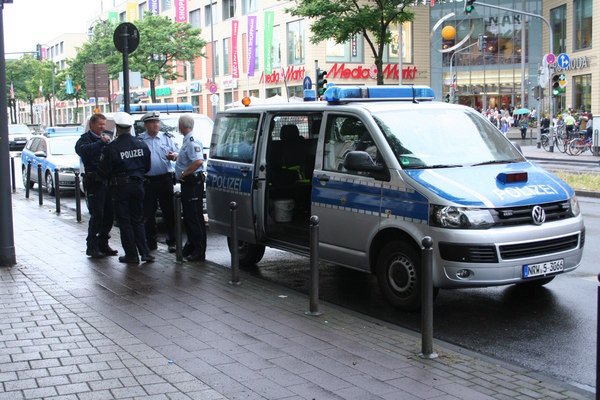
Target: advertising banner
(113, 17)
(269, 15)
(235, 71)
(153, 6)
(251, 44)
(131, 11)
(181, 11)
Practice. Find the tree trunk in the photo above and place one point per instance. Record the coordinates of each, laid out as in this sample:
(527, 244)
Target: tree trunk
(152, 90)
(379, 65)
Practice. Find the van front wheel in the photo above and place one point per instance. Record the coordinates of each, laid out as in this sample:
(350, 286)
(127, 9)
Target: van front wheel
(248, 253)
(399, 275)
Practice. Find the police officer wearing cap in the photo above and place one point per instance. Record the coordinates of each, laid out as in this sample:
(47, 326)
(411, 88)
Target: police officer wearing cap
(158, 182)
(99, 201)
(124, 163)
(188, 170)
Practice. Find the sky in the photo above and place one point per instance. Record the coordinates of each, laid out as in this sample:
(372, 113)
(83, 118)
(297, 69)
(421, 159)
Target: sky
(28, 22)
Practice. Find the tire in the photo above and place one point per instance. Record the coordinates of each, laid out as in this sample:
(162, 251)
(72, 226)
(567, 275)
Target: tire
(249, 254)
(49, 184)
(545, 142)
(399, 275)
(536, 283)
(24, 175)
(576, 147)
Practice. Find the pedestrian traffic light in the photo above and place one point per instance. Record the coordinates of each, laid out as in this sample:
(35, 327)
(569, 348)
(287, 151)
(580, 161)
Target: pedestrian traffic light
(38, 52)
(321, 81)
(447, 98)
(469, 6)
(556, 90)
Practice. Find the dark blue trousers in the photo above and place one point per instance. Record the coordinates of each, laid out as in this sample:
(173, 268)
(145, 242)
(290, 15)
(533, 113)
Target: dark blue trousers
(129, 208)
(100, 206)
(193, 218)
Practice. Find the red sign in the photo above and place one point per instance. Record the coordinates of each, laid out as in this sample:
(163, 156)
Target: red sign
(291, 74)
(212, 88)
(550, 58)
(340, 71)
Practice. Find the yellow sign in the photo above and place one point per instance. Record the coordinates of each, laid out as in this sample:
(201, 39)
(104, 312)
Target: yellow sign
(131, 12)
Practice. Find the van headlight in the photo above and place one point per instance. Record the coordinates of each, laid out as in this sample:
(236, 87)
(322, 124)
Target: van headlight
(460, 217)
(574, 205)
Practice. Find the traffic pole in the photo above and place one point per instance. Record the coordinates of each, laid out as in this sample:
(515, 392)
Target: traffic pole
(235, 255)
(77, 198)
(40, 186)
(12, 174)
(427, 299)
(314, 268)
(57, 190)
(28, 179)
(178, 245)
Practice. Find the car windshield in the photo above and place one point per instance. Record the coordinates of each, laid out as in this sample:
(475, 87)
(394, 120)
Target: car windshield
(444, 138)
(18, 129)
(63, 147)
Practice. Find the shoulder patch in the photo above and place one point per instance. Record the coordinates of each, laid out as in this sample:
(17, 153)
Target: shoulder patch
(191, 138)
(197, 149)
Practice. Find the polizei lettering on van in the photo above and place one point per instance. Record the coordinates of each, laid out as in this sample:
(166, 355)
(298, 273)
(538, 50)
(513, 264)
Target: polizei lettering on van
(525, 191)
(227, 183)
(132, 153)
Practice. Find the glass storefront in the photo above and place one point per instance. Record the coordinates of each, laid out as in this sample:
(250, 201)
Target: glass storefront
(487, 68)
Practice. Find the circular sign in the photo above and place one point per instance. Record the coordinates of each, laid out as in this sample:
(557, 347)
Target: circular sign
(214, 99)
(126, 33)
(550, 58)
(212, 88)
(563, 61)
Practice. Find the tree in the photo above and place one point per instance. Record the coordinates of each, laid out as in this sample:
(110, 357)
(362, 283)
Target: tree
(162, 42)
(20, 72)
(341, 19)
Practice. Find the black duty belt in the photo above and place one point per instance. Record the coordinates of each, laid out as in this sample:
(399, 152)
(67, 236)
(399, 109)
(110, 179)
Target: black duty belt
(192, 179)
(125, 180)
(156, 178)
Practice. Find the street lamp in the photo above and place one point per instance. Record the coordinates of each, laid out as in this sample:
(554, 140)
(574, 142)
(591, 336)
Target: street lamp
(452, 63)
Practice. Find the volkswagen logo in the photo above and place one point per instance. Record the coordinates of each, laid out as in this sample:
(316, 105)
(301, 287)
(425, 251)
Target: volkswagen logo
(538, 215)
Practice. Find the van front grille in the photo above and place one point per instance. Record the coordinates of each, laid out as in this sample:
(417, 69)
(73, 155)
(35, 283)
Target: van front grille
(533, 249)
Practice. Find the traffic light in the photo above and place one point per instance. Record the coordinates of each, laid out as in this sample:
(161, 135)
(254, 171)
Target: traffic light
(481, 42)
(321, 81)
(556, 90)
(38, 52)
(469, 6)
(447, 98)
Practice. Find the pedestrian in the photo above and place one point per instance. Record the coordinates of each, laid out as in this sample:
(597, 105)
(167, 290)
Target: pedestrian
(188, 170)
(569, 124)
(504, 126)
(99, 199)
(123, 163)
(158, 182)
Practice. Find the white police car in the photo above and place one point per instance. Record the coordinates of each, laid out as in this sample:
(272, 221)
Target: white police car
(383, 167)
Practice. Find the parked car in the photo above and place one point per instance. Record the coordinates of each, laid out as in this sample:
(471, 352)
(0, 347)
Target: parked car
(18, 135)
(54, 151)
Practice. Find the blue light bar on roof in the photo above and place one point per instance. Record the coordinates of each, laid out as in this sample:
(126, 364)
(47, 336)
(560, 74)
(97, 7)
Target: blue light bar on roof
(161, 107)
(54, 131)
(338, 94)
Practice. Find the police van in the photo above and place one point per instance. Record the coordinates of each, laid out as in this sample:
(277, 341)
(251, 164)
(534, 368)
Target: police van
(383, 167)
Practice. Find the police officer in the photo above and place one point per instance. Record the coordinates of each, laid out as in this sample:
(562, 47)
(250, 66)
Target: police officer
(188, 170)
(99, 201)
(124, 163)
(158, 182)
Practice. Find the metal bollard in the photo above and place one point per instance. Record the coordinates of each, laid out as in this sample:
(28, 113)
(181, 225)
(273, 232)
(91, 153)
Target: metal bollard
(427, 299)
(235, 256)
(40, 186)
(77, 197)
(12, 174)
(28, 180)
(314, 268)
(598, 344)
(57, 191)
(177, 208)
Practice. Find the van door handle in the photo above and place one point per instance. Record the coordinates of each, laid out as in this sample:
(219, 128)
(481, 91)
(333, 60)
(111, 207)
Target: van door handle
(244, 170)
(323, 178)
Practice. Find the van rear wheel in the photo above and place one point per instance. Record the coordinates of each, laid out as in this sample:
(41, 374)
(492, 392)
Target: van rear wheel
(248, 253)
(399, 275)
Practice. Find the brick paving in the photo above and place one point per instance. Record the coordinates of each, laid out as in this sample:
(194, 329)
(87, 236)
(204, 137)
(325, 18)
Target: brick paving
(76, 328)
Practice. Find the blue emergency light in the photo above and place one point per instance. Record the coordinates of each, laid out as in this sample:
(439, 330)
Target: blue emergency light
(340, 94)
(161, 107)
(55, 131)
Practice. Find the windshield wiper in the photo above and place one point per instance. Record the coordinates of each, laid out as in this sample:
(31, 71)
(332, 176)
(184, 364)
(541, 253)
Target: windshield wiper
(512, 160)
(441, 166)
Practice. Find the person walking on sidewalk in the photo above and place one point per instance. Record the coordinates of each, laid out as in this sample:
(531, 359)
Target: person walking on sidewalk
(188, 170)
(158, 182)
(99, 198)
(124, 163)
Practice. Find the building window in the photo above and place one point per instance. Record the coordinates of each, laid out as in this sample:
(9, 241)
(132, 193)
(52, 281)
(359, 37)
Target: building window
(196, 103)
(582, 26)
(142, 8)
(226, 56)
(558, 21)
(295, 42)
(248, 6)
(185, 71)
(195, 20)
(123, 16)
(391, 53)
(210, 13)
(165, 5)
(228, 9)
(582, 92)
(276, 47)
(351, 51)
(210, 62)
(192, 70)
(62, 47)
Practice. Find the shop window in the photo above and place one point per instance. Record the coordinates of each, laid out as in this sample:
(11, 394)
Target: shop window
(391, 52)
(582, 24)
(351, 51)
(295, 42)
(582, 92)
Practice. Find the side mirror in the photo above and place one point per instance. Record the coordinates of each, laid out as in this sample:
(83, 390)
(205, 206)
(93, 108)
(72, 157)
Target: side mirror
(361, 161)
(41, 154)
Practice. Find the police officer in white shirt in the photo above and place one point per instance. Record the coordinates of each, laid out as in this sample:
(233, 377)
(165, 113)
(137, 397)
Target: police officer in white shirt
(158, 182)
(188, 170)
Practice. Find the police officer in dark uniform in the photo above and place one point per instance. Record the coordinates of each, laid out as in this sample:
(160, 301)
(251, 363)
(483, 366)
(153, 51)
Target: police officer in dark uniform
(158, 182)
(99, 200)
(188, 170)
(124, 163)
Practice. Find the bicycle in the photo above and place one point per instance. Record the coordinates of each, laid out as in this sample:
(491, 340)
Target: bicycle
(579, 145)
(558, 139)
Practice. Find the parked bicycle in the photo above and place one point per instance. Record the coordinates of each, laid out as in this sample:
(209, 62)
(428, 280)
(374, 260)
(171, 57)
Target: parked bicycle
(579, 145)
(558, 139)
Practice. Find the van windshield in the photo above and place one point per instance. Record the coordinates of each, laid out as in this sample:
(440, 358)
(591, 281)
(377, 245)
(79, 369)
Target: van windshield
(444, 138)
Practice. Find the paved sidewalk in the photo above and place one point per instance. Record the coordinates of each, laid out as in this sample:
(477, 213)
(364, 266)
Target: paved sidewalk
(76, 328)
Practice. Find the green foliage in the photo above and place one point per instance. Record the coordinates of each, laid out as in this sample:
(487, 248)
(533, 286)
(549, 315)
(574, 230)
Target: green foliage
(340, 19)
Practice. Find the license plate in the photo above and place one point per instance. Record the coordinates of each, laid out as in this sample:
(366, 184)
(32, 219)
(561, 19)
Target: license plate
(541, 269)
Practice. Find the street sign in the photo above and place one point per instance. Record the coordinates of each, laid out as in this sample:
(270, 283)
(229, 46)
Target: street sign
(307, 83)
(129, 30)
(563, 61)
(96, 80)
(212, 88)
(214, 99)
(550, 58)
(562, 81)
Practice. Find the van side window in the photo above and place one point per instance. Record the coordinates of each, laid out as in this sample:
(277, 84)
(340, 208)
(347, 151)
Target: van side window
(234, 138)
(344, 134)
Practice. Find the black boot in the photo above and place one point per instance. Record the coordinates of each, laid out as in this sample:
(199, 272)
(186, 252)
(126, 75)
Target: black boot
(107, 250)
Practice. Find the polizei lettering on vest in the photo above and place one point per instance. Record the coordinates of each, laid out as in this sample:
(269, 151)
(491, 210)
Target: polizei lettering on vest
(132, 153)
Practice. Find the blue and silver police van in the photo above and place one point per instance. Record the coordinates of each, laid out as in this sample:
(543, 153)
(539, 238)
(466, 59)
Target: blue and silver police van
(383, 167)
